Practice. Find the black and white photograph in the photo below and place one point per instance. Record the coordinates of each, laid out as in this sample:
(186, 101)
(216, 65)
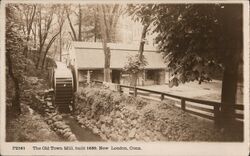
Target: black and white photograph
(123, 72)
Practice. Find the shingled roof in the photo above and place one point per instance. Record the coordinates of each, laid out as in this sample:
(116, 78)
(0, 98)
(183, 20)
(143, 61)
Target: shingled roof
(91, 55)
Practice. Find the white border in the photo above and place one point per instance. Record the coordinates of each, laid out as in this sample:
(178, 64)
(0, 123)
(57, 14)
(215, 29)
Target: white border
(152, 148)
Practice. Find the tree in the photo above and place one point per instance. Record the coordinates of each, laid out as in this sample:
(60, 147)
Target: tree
(106, 50)
(134, 66)
(28, 12)
(60, 10)
(14, 54)
(95, 22)
(110, 15)
(233, 55)
(45, 25)
(73, 35)
(108, 18)
(144, 14)
(197, 38)
(83, 23)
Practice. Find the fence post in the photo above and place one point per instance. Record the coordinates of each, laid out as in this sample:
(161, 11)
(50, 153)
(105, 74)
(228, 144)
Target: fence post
(216, 114)
(135, 91)
(162, 97)
(183, 105)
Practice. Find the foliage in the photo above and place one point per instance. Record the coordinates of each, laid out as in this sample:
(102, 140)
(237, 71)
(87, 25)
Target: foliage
(14, 57)
(192, 36)
(20, 64)
(99, 101)
(152, 121)
(92, 105)
(15, 41)
(39, 25)
(134, 65)
(29, 128)
(143, 13)
(197, 38)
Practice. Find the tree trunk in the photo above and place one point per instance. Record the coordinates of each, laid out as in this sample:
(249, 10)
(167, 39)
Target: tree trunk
(141, 49)
(233, 54)
(229, 89)
(133, 80)
(26, 48)
(60, 40)
(107, 77)
(43, 35)
(39, 57)
(16, 99)
(107, 71)
(35, 37)
(95, 27)
(48, 47)
(73, 35)
(80, 24)
(40, 38)
(29, 28)
(142, 43)
(228, 95)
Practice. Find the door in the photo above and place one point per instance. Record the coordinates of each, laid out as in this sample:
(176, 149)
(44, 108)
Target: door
(116, 75)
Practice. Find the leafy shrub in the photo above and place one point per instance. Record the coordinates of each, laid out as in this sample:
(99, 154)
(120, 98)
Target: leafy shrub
(135, 64)
(100, 101)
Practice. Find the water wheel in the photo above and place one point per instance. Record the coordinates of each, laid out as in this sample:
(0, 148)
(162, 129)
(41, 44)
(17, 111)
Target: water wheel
(63, 87)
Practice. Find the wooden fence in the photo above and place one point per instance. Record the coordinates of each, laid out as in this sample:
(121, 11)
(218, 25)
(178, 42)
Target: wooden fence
(203, 108)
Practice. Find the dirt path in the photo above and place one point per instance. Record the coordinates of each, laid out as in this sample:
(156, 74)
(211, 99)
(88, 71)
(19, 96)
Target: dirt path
(206, 90)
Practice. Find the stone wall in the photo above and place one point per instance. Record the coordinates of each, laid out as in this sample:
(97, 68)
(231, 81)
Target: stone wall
(52, 117)
(119, 117)
(104, 112)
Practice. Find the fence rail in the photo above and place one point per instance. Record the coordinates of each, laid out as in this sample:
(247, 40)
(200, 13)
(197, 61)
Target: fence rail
(203, 108)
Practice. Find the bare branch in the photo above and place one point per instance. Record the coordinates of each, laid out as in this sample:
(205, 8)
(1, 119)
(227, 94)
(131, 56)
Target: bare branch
(71, 25)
